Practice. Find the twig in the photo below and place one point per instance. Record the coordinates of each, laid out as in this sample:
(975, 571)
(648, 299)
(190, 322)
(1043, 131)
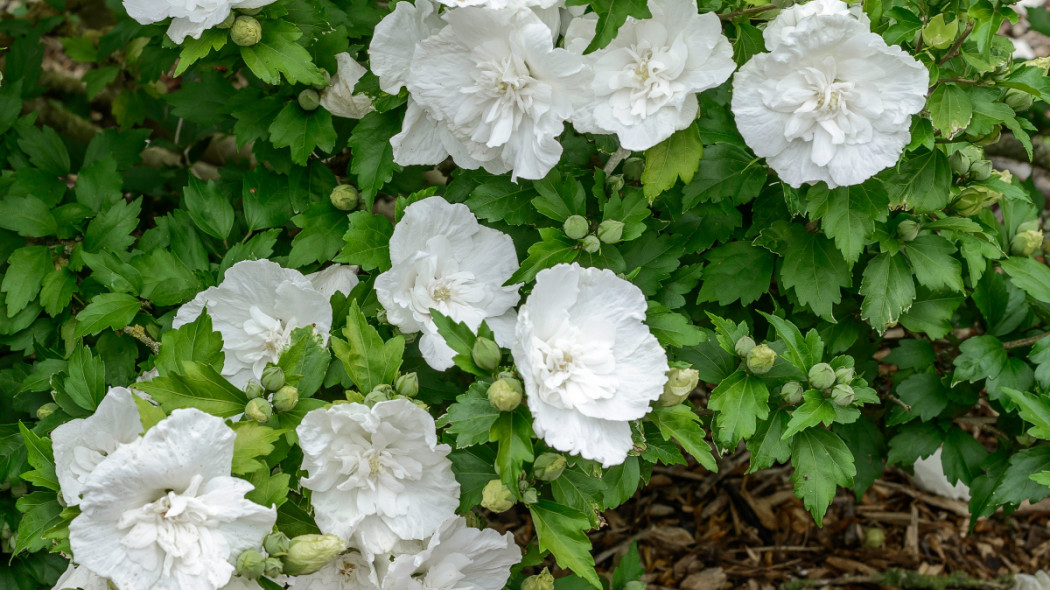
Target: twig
(139, 333)
(614, 160)
(1025, 341)
(755, 10)
(897, 401)
(954, 49)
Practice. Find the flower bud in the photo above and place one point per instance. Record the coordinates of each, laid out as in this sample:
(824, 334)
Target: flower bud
(991, 137)
(285, 399)
(576, 227)
(1026, 242)
(497, 497)
(633, 168)
(960, 162)
(760, 359)
(504, 396)
(407, 385)
(792, 392)
(874, 537)
(309, 100)
(1018, 100)
(276, 544)
(345, 197)
(253, 390)
(245, 31)
(549, 466)
(273, 567)
(541, 581)
(908, 230)
(530, 496)
(486, 354)
(744, 346)
(975, 199)
(610, 231)
(309, 553)
(938, 34)
(258, 409)
(842, 395)
(250, 564)
(379, 393)
(680, 383)
(981, 170)
(845, 375)
(821, 376)
(46, 410)
(591, 244)
(273, 378)
(614, 183)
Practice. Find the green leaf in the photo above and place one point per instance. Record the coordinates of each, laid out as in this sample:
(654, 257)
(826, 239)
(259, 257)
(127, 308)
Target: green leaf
(768, 445)
(99, 184)
(460, 338)
(372, 157)
(1015, 486)
(621, 482)
(801, 352)
(676, 157)
(813, 411)
(736, 271)
(305, 361)
(367, 242)
(277, 53)
(888, 290)
(512, 432)
(741, 400)
(193, 342)
(553, 249)
(1034, 409)
(912, 354)
(57, 290)
(106, 311)
(561, 530)
(473, 470)
(579, 490)
(26, 269)
(683, 425)
(323, 227)
(499, 199)
(822, 461)
(41, 457)
(193, 50)
(44, 148)
(848, 214)
(253, 441)
(868, 445)
(302, 131)
(113, 227)
(40, 512)
(166, 280)
(925, 393)
(921, 183)
(962, 457)
(1030, 275)
(915, 440)
(611, 16)
(367, 359)
(931, 314)
(210, 210)
(950, 108)
(813, 268)
(981, 357)
(270, 490)
(559, 198)
(471, 417)
(82, 386)
(197, 386)
(932, 258)
(28, 216)
(670, 328)
(727, 171)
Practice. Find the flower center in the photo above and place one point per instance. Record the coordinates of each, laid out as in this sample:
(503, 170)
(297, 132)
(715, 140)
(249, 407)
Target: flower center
(648, 81)
(173, 522)
(274, 334)
(573, 368)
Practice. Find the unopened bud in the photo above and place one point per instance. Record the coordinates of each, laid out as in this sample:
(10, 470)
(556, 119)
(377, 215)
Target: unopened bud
(845, 375)
(309, 553)
(744, 346)
(576, 227)
(245, 31)
(1026, 242)
(614, 183)
(285, 399)
(591, 244)
(272, 378)
(549, 466)
(46, 410)
(250, 564)
(960, 162)
(792, 392)
(486, 353)
(760, 359)
(874, 537)
(610, 231)
(258, 409)
(530, 496)
(1018, 100)
(842, 395)
(981, 170)
(991, 137)
(975, 199)
(407, 385)
(633, 168)
(273, 567)
(379, 393)
(680, 383)
(541, 581)
(821, 376)
(253, 390)
(309, 100)
(345, 197)
(908, 230)
(504, 396)
(276, 544)
(497, 497)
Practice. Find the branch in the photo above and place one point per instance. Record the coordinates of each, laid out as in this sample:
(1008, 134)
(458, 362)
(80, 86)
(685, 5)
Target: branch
(1025, 341)
(614, 160)
(954, 50)
(755, 10)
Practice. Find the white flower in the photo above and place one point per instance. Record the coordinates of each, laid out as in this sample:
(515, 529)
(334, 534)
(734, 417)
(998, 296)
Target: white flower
(442, 258)
(338, 278)
(377, 474)
(256, 308)
(832, 102)
(929, 477)
(498, 4)
(588, 363)
(349, 571)
(339, 98)
(188, 17)
(1039, 581)
(646, 79)
(80, 577)
(496, 80)
(395, 39)
(81, 444)
(457, 557)
(162, 511)
(783, 27)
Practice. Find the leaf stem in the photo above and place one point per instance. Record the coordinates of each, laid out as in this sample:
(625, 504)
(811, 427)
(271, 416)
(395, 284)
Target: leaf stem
(614, 160)
(754, 10)
(954, 49)
(1025, 341)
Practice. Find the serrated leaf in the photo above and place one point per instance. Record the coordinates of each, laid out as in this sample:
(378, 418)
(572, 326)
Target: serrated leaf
(741, 400)
(925, 393)
(113, 227)
(676, 157)
(512, 433)
(277, 53)
(373, 158)
(471, 417)
(210, 210)
(1034, 409)
(813, 268)
(305, 361)
(681, 424)
(822, 462)
(560, 530)
(323, 227)
(813, 411)
(848, 214)
(367, 359)
(193, 50)
(921, 183)
(26, 269)
(980, 357)
(106, 311)
(367, 242)
(460, 338)
(302, 131)
(99, 184)
(192, 342)
(611, 16)
(736, 271)
(40, 512)
(888, 290)
(1030, 275)
(553, 249)
(932, 258)
(253, 441)
(197, 386)
(41, 457)
(950, 109)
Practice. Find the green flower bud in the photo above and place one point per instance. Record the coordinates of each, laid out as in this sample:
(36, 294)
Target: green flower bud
(345, 197)
(309, 553)
(1018, 100)
(273, 378)
(250, 564)
(504, 396)
(1026, 242)
(821, 376)
(614, 183)
(610, 231)
(511, 378)
(633, 168)
(874, 537)
(407, 385)
(981, 170)
(991, 137)
(591, 244)
(486, 354)
(258, 409)
(245, 31)
(744, 345)
(576, 227)
(960, 162)
(253, 390)
(380, 393)
(276, 544)
(541, 581)
(250, 11)
(842, 395)
(975, 199)
(285, 399)
(530, 496)
(760, 359)
(273, 567)
(309, 100)
(1030, 225)
(497, 497)
(908, 230)
(938, 34)
(845, 375)
(680, 383)
(792, 392)
(549, 466)
(46, 410)
(228, 22)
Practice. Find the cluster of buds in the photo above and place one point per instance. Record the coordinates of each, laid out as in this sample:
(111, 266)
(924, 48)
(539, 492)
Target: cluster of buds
(609, 231)
(758, 358)
(835, 383)
(283, 397)
(969, 162)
